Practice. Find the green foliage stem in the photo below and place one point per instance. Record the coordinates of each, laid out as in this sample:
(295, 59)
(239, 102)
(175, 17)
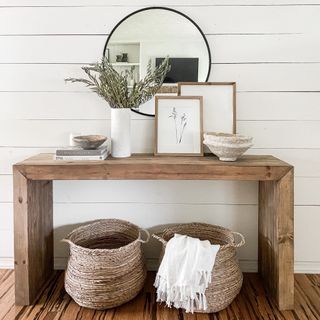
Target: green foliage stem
(113, 87)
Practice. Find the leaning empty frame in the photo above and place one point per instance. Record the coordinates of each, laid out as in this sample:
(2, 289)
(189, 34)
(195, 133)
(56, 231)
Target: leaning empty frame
(219, 104)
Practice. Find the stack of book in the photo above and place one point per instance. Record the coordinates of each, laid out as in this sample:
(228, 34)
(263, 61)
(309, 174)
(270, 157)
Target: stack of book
(74, 154)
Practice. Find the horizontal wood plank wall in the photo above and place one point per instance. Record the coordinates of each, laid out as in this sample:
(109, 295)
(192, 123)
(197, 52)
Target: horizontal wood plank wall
(271, 48)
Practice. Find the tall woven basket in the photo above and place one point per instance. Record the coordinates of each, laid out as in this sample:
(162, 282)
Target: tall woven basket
(106, 266)
(226, 275)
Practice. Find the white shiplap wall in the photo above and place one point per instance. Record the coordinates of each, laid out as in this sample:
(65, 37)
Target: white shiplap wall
(271, 48)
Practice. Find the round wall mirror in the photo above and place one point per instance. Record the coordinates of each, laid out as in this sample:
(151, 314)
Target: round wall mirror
(152, 34)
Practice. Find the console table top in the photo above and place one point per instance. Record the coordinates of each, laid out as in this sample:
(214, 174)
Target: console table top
(149, 167)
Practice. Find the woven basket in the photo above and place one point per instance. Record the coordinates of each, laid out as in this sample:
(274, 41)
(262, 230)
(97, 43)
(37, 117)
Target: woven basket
(106, 266)
(226, 276)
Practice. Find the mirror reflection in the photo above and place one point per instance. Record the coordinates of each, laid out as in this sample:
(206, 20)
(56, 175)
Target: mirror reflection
(154, 33)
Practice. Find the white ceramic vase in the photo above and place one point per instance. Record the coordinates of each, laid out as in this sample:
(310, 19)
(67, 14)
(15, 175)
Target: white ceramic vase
(120, 132)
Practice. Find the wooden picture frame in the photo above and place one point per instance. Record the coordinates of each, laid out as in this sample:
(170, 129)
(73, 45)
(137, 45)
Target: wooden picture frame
(216, 103)
(162, 116)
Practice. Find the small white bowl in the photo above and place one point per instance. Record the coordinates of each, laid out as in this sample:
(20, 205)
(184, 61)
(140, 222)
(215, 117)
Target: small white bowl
(226, 146)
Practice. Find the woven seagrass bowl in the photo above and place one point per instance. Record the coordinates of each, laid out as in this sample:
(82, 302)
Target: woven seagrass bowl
(227, 277)
(89, 142)
(106, 265)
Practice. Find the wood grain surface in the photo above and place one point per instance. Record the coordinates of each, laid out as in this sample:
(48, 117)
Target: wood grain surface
(276, 247)
(251, 303)
(144, 166)
(33, 236)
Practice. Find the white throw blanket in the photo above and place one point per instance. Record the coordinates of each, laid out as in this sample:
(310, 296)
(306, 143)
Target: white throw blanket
(185, 272)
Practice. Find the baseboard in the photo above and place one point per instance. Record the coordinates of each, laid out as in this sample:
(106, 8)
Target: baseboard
(307, 267)
(6, 263)
(60, 263)
(249, 265)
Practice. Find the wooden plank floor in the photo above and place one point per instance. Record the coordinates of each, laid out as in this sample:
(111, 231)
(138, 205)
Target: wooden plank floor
(252, 303)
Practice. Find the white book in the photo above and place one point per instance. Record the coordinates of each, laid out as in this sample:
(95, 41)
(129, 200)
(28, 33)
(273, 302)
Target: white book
(82, 158)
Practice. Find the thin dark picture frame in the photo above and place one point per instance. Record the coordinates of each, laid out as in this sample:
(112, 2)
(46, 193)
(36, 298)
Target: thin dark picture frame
(168, 9)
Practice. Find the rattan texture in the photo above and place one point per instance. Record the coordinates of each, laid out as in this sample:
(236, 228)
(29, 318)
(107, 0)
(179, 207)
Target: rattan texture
(227, 277)
(106, 266)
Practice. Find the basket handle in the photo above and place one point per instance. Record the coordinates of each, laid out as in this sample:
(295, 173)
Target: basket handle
(156, 236)
(241, 242)
(147, 234)
(67, 241)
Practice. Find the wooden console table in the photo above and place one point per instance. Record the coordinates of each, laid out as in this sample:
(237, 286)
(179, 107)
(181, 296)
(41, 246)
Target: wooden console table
(33, 213)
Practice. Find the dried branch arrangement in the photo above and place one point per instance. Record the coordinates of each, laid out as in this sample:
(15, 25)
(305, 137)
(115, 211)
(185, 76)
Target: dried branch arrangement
(114, 88)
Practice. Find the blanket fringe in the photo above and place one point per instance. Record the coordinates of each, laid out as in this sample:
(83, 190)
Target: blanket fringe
(184, 296)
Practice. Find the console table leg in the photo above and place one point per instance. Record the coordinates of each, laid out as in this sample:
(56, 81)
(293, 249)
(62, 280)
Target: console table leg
(276, 258)
(33, 237)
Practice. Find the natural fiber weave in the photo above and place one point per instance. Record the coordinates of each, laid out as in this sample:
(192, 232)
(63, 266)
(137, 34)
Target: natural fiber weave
(106, 266)
(226, 275)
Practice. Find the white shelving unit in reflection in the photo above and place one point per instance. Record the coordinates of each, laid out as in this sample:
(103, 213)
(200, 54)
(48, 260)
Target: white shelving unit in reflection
(132, 49)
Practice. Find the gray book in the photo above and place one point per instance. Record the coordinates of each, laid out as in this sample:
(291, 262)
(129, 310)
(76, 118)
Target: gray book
(82, 158)
(74, 151)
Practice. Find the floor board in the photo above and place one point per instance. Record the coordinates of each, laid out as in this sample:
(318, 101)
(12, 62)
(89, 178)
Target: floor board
(252, 303)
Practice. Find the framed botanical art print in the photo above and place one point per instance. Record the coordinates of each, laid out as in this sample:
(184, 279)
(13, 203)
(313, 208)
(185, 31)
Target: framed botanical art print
(178, 125)
(219, 104)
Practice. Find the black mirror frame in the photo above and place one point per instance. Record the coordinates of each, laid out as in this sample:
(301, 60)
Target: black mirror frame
(163, 8)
